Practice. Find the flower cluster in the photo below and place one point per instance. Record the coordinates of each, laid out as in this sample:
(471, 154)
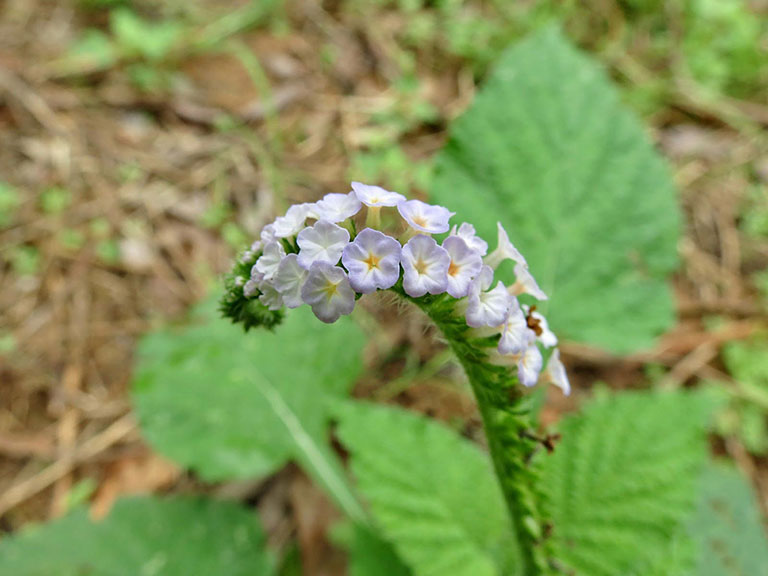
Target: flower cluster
(314, 255)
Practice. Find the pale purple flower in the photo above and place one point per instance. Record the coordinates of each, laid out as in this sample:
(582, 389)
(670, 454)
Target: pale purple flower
(376, 196)
(289, 279)
(505, 250)
(373, 261)
(268, 234)
(256, 246)
(323, 242)
(556, 373)
(424, 217)
(515, 335)
(270, 259)
(270, 297)
(486, 308)
(328, 292)
(465, 265)
(529, 366)
(337, 207)
(425, 266)
(467, 232)
(525, 283)
(293, 221)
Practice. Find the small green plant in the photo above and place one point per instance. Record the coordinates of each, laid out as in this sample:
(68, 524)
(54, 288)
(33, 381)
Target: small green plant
(623, 486)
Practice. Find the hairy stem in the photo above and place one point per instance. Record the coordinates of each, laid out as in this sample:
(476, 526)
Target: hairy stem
(508, 429)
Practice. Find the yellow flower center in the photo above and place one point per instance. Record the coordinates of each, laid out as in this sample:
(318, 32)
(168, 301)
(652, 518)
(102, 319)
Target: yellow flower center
(420, 221)
(330, 290)
(453, 269)
(421, 266)
(372, 261)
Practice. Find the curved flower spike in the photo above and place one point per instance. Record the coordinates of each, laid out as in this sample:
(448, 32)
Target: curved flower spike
(486, 308)
(424, 217)
(373, 261)
(556, 373)
(337, 207)
(376, 196)
(425, 266)
(495, 336)
(328, 292)
(323, 242)
(465, 265)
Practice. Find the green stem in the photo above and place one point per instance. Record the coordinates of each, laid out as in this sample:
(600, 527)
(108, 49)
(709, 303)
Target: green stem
(507, 428)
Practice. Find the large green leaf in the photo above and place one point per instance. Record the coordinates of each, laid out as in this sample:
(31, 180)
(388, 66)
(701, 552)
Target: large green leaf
(548, 149)
(235, 405)
(143, 537)
(726, 526)
(432, 492)
(623, 480)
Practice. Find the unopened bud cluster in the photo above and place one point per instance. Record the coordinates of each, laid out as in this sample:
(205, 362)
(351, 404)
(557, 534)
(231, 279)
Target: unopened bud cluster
(314, 255)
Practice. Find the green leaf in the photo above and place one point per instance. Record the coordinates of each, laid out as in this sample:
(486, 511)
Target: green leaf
(548, 149)
(623, 479)
(136, 36)
(235, 405)
(727, 528)
(432, 492)
(94, 50)
(143, 537)
(369, 555)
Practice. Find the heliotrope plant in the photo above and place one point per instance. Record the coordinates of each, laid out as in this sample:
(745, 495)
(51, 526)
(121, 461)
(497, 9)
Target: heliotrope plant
(314, 255)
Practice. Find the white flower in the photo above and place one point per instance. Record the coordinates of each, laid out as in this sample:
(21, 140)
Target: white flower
(529, 366)
(556, 373)
(525, 283)
(251, 288)
(289, 279)
(328, 291)
(467, 232)
(323, 242)
(515, 336)
(268, 234)
(293, 221)
(465, 265)
(540, 326)
(505, 250)
(270, 259)
(270, 297)
(373, 261)
(376, 196)
(425, 266)
(256, 246)
(337, 207)
(486, 308)
(424, 217)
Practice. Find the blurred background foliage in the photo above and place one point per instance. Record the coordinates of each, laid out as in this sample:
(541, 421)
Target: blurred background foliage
(143, 143)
